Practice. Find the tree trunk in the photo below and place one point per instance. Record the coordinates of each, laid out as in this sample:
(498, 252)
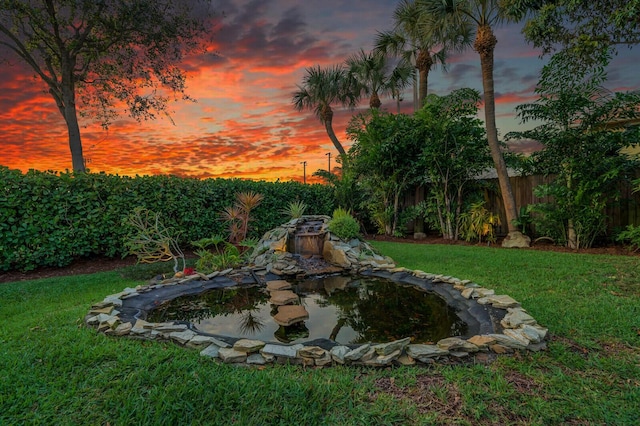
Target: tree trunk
(75, 141)
(424, 62)
(485, 45)
(66, 100)
(328, 119)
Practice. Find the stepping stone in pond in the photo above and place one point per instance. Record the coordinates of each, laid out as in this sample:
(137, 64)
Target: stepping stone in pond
(277, 285)
(290, 314)
(284, 297)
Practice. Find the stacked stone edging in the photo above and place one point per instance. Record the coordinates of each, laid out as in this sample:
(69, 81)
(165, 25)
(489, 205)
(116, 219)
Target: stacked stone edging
(512, 327)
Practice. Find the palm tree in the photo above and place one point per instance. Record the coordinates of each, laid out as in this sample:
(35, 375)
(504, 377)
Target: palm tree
(368, 69)
(418, 44)
(371, 73)
(321, 88)
(399, 79)
(483, 15)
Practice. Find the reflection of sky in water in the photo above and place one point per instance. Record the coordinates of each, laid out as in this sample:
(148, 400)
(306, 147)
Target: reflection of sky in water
(322, 320)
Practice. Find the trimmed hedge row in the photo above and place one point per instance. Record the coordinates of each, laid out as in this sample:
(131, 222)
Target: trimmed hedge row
(49, 219)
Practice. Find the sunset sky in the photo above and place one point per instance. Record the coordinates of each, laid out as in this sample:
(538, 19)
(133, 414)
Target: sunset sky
(243, 124)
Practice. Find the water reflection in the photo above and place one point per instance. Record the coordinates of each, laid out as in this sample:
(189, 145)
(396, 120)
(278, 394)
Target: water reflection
(340, 308)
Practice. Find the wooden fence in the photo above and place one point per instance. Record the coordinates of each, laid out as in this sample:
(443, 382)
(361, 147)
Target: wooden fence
(621, 212)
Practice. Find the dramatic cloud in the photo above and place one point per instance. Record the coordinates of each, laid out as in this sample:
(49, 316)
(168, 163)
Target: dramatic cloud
(243, 124)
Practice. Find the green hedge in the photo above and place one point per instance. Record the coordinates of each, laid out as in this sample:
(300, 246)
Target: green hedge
(49, 219)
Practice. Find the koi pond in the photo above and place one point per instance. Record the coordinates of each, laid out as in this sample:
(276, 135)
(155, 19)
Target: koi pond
(344, 309)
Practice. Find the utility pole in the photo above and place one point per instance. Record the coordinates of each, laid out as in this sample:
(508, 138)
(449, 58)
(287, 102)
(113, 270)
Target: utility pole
(328, 154)
(304, 171)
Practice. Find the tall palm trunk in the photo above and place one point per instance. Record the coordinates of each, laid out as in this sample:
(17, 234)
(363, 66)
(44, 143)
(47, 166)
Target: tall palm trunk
(485, 44)
(327, 119)
(424, 62)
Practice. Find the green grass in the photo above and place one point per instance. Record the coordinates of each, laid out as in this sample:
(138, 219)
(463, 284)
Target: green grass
(56, 371)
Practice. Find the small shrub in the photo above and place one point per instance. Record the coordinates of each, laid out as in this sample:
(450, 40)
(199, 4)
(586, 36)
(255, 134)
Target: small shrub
(630, 236)
(344, 225)
(150, 240)
(478, 223)
(295, 209)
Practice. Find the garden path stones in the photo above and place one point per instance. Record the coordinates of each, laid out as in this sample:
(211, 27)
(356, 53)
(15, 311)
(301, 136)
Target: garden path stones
(277, 285)
(290, 314)
(283, 297)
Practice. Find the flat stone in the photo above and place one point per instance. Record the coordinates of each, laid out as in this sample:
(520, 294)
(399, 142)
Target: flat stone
(231, 356)
(338, 352)
(481, 341)
(169, 328)
(536, 347)
(256, 359)
(457, 344)
(141, 327)
(388, 358)
(467, 293)
(387, 348)
(92, 320)
(290, 314)
(368, 357)
(500, 349)
(406, 360)
(357, 353)
(248, 346)
(508, 341)
(517, 334)
(283, 297)
(420, 352)
(284, 351)
(530, 330)
(517, 317)
(199, 340)
(210, 351)
(104, 310)
(277, 285)
(499, 301)
(123, 329)
(113, 300)
(324, 360)
(182, 337)
(312, 352)
(484, 292)
(129, 295)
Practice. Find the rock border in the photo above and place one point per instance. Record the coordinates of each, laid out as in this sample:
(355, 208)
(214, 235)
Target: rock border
(498, 324)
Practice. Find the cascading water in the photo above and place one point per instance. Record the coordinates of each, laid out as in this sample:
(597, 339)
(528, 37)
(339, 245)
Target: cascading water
(308, 240)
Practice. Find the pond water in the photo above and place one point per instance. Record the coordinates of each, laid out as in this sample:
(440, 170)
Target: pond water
(344, 309)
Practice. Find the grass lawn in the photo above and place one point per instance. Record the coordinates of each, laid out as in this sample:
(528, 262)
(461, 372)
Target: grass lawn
(56, 371)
